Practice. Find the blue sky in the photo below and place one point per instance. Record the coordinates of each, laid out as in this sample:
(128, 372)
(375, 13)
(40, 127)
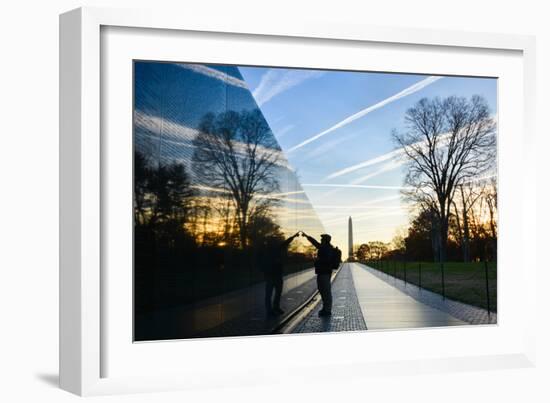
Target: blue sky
(327, 122)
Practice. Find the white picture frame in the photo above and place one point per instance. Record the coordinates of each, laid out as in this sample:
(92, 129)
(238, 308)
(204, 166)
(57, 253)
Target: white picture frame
(83, 309)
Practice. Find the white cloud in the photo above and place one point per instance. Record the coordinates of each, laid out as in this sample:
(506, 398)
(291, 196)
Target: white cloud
(294, 192)
(392, 159)
(276, 81)
(388, 166)
(177, 133)
(373, 161)
(406, 92)
(278, 196)
(345, 185)
(281, 132)
(368, 204)
(324, 148)
(340, 207)
(217, 74)
(357, 218)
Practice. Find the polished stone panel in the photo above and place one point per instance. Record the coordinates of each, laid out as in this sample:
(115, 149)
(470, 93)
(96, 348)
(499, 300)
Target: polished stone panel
(230, 314)
(213, 195)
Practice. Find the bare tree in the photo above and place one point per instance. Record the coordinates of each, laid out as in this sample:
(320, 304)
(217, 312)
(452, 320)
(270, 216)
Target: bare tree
(162, 193)
(141, 187)
(376, 250)
(227, 213)
(490, 196)
(362, 252)
(446, 143)
(237, 152)
(460, 235)
(398, 241)
(469, 194)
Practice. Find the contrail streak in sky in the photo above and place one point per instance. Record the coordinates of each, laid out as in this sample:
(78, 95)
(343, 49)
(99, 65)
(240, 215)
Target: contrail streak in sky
(407, 91)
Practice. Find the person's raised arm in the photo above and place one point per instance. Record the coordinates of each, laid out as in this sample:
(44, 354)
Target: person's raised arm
(312, 240)
(289, 240)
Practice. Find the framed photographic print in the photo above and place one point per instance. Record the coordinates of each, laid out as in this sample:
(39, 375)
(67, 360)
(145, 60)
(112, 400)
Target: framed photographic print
(223, 203)
(223, 189)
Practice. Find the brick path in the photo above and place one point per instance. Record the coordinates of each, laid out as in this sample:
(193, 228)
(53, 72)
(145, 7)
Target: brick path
(346, 312)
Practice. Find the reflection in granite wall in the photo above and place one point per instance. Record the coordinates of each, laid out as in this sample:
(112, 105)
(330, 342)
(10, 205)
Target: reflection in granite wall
(214, 196)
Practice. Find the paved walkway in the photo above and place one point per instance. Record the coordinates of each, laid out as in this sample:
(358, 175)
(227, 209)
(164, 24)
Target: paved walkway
(387, 307)
(465, 312)
(365, 298)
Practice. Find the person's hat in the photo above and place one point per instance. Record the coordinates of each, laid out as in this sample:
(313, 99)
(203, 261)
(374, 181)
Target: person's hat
(327, 236)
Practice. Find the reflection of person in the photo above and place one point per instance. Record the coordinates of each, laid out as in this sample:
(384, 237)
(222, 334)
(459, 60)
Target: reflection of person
(273, 256)
(328, 259)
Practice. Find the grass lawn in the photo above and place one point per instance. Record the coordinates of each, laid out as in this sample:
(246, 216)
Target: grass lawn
(464, 282)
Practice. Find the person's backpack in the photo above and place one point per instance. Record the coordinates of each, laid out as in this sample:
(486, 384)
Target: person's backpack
(336, 258)
(328, 259)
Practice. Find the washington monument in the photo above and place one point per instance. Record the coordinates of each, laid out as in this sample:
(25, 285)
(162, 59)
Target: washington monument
(350, 240)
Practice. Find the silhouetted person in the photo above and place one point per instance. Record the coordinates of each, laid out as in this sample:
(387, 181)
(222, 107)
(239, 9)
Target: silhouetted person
(328, 259)
(272, 260)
